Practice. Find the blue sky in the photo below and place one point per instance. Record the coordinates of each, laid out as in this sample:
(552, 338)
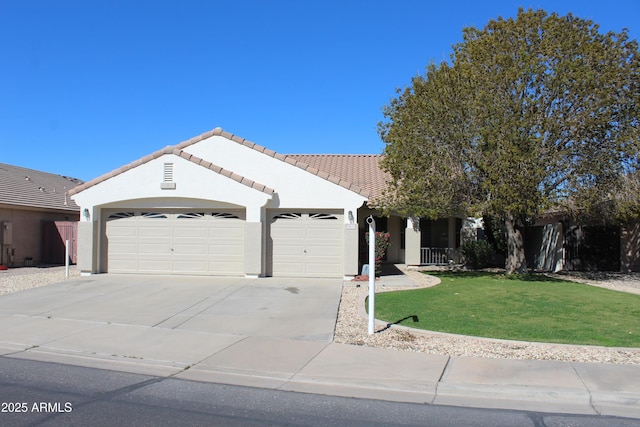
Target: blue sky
(88, 86)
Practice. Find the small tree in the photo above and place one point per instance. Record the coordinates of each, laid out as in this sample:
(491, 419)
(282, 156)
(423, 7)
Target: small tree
(381, 244)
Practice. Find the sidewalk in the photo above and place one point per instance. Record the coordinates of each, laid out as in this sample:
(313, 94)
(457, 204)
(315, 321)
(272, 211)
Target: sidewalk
(361, 372)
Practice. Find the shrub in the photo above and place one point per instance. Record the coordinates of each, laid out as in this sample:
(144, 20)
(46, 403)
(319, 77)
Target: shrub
(477, 253)
(382, 243)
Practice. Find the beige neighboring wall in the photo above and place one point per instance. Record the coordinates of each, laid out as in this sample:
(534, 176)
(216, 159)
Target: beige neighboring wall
(26, 239)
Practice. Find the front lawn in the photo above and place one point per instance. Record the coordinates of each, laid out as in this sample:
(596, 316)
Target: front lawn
(526, 308)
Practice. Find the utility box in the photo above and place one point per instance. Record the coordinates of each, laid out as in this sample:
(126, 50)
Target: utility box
(6, 232)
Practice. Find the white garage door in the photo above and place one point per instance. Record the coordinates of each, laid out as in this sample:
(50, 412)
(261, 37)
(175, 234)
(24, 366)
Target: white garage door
(306, 244)
(169, 242)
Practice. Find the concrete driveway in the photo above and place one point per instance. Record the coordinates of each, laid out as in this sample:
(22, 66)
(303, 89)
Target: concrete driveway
(176, 321)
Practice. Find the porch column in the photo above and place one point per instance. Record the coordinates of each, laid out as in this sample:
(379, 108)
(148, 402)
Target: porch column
(451, 233)
(412, 242)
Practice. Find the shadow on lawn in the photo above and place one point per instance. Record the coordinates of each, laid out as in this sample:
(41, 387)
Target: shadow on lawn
(530, 277)
(399, 322)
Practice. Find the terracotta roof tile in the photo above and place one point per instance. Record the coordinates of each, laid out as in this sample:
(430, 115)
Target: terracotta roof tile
(361, 171)
(31, 188)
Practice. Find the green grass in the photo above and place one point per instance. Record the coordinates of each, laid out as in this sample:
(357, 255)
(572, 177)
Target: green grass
(527, 308)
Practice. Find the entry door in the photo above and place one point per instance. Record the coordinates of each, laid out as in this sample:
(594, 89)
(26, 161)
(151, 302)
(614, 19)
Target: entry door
(306, 244)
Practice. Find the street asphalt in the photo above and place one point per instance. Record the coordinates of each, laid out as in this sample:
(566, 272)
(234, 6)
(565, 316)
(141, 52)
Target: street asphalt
(278, 333)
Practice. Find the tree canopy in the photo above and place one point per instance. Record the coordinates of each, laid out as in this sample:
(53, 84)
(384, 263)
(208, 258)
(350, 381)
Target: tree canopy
(529, 114)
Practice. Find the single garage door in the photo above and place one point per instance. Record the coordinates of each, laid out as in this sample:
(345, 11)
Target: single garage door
(170, 242)
(306, 244)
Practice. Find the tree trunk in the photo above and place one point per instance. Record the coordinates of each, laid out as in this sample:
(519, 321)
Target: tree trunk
(515, 262)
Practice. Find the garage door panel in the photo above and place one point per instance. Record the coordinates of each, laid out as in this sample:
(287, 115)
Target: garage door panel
(289, 268)
(123, 248)
(324, 233)
(229, 268)
(153, 266)
(154, 248)
(189, 232)
(320, 269)
(192, 249)
(288, 232)
(124, 265)
(155, 232)
(124, 231)
(226, 250)
(192, 267)
(229, 234)
(322, 251)
(228, 239)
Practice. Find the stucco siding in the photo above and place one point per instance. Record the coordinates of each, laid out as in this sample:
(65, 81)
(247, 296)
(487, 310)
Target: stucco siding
(295, 187)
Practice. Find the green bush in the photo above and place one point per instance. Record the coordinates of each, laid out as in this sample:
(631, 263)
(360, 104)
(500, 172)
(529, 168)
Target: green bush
(477, 253)
(381, 244)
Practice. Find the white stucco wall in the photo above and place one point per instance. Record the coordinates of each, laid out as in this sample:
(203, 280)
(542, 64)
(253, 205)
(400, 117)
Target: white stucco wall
(193, 182)
(295, 187)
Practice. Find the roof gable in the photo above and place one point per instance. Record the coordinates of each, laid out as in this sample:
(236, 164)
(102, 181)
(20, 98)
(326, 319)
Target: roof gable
(36, 189)
(290, 159)
(357, 173)
(183, 154)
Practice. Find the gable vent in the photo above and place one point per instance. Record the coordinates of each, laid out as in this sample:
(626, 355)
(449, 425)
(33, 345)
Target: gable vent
(167, 181)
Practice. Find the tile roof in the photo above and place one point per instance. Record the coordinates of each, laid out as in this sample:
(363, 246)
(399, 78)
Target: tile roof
(35, 189)
(361, 170)
(358, 173)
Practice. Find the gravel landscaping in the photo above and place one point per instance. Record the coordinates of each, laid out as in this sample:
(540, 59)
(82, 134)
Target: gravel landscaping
(18, 279)
(351, 327)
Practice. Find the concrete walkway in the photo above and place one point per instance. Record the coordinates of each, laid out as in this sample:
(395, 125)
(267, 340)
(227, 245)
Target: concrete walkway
(276, 333)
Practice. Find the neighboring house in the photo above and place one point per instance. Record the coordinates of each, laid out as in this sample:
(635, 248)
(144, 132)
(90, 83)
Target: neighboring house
(558, 243)
(218, 204)
(36, 216)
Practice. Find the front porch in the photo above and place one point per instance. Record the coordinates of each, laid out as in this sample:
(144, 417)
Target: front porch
(414, 241)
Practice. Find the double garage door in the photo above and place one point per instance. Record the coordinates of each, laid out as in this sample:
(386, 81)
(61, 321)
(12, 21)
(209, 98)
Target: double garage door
(299, 243)
(169, 242)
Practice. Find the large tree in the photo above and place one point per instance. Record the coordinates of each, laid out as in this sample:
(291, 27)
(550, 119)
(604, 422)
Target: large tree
(529, 114)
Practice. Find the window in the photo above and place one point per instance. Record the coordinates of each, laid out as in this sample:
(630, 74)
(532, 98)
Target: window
(224, 215)
(191, 215)
(322, 216)
(119, 215)
(154, 215)
(288, 215)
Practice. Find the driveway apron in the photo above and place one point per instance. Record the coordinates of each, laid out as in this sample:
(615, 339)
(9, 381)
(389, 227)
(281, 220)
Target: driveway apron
(172, 320)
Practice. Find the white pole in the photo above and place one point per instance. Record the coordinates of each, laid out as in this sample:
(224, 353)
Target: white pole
(372, 273)
(66, 259)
